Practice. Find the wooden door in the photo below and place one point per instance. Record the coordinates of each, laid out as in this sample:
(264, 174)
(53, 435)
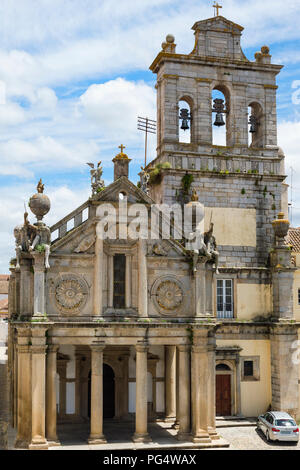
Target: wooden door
(223, 395)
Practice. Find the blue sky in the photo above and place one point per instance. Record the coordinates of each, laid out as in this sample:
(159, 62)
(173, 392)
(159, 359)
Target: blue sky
(74, 75)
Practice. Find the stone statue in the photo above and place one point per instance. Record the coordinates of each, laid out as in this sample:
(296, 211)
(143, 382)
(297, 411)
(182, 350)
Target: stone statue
(43, 239)
(96, 174)
(211, 246)
(145, 177)
(40, 187)
(24, 235)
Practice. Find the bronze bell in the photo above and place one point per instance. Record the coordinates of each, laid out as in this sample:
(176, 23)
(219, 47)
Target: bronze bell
(186, 117)
(219, 120)
(254, 124)
(185, 125)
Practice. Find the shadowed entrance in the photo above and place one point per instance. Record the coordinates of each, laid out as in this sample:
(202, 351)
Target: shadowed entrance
(108, 393)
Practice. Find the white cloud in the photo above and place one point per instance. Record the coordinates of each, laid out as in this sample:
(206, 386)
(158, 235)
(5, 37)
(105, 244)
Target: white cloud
(114, 106)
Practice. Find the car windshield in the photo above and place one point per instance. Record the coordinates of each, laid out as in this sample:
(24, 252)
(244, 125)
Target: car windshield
(285, 423)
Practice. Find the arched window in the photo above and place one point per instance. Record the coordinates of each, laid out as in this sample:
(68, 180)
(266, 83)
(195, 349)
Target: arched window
(255, 125)
(222, 367)
(185, 122)
(221, 129)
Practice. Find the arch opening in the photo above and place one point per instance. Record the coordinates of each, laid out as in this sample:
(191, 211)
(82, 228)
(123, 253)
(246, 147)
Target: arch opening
(221, 131)
(185, 123)
(255, 125)
(108, 392)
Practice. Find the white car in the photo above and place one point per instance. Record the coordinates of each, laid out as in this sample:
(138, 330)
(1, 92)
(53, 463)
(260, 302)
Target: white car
(278, 426)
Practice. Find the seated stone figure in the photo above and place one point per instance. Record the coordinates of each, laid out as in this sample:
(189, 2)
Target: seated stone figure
(24, 235)
(42, 238)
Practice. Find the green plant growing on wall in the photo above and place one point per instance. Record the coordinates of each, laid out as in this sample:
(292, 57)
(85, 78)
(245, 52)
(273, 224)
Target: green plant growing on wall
(40, 248)
(155, 173)
(243, 191)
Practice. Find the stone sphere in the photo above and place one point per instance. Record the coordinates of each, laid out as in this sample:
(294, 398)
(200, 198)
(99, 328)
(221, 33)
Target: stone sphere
(265, 50)
(170, 38)
(39, 205)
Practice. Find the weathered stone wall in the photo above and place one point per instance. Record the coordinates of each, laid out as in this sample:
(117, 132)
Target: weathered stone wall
(255, 192)
(4, 413)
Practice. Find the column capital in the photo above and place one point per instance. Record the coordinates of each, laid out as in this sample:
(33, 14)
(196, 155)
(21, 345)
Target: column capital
(53, 348)
(142, 347)
(39, 261)
(199, 349)
(38, 349)
(184, 347)
(98, 347)
(23, 349)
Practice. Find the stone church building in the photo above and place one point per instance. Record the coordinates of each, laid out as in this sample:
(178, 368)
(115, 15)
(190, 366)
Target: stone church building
(147, 328)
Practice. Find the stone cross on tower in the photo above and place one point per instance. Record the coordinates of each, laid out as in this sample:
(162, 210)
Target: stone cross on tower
(217, 8)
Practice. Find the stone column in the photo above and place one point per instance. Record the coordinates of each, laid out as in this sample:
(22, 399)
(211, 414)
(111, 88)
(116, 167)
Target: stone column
(97, 436)
(98, 277)
(284, 360)
(170, 382)
(38, 388)
(176, 424)
(51, 408)
(25, 288)
(209, 291)
(200, 292)
(110, 281)
(238, 386)
(211, 405)
(128, 282)
(23, 389)
(39, 284)
(184, 393)
(199, 373)
(143, 287)
(141, 414)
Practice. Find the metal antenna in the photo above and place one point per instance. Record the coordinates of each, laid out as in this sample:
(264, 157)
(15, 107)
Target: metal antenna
(148, 126)
(291, 206)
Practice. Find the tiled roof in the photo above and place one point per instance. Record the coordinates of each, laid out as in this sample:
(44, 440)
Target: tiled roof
(293, 239)
(4, 304)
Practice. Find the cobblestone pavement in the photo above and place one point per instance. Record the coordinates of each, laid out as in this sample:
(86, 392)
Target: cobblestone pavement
(249, 438)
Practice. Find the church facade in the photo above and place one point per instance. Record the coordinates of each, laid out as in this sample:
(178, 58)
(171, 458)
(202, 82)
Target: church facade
(105, 323)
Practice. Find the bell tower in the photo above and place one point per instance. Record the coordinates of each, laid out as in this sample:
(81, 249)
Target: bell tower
(217, 87)
(217, 62)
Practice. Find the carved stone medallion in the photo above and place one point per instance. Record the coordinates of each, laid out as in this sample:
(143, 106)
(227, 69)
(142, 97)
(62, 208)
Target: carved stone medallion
(71, 293)
(168, 295)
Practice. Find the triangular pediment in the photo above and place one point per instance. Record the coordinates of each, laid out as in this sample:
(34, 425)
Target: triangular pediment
(123, 185)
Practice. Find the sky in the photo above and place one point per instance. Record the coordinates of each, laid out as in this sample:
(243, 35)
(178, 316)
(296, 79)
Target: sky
(74, 76)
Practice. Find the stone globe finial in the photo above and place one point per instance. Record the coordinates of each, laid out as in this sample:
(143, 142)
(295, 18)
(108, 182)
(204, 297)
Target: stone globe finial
(39, 203)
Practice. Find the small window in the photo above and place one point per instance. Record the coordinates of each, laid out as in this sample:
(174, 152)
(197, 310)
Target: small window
(298, 296)
(248, 368)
